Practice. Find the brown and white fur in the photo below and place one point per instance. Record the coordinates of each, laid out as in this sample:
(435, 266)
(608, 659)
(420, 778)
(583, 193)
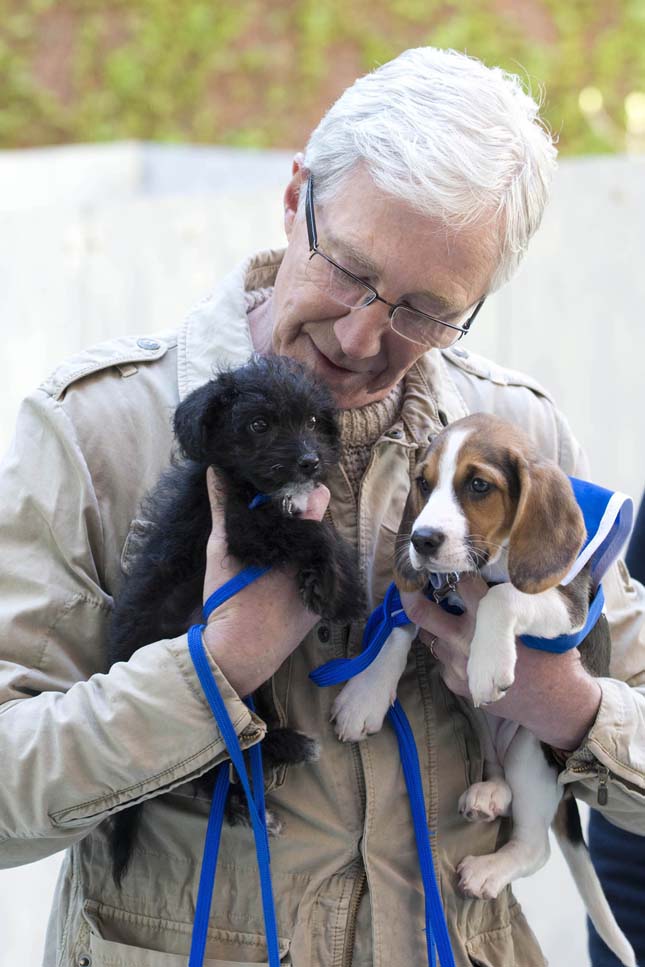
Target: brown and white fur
(484, 500)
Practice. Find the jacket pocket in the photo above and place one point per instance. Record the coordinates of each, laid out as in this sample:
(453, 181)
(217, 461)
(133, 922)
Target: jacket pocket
(111, 938)
(105, 953)
(508, 946)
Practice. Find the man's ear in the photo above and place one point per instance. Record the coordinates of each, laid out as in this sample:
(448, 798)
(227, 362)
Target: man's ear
(548, 530)
(300, 174)
(406, 577)
(196, 417)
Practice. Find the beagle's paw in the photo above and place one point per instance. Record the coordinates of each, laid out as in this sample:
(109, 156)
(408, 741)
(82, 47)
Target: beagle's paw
(481, 877)
(361, 707)
(491, 673)
(484, 801)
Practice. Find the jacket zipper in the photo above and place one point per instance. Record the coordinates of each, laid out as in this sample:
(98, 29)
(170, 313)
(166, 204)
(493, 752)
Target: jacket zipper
(360, 881)
(352, 917)
(603, 775)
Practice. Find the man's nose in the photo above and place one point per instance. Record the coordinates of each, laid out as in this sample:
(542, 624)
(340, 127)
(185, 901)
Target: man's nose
(359, 331)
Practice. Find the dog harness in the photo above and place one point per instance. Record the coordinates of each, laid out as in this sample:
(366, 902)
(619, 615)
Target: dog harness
(608, 519)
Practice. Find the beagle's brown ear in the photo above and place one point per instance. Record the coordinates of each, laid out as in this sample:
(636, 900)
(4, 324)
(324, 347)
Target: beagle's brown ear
(406, 577)
(548, 530)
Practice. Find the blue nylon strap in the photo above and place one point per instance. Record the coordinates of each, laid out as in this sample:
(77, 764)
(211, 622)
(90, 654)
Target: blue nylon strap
(255, 798)
(230, 588)
(566, 642)
(381, 622)
(209, 863)
(436, 927)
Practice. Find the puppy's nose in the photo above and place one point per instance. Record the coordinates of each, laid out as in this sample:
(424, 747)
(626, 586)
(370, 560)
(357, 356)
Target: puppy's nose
(309, 462)
(427, 540)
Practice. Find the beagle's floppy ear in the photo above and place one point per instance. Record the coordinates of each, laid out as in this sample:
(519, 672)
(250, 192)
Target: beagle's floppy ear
(406, 577)
(196, 416)
(548, 530)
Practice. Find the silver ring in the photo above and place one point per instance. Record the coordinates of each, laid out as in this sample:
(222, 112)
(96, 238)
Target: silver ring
(431, 647)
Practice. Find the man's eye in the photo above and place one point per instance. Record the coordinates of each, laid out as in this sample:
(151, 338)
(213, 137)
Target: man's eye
(258, 426)
(424, 486)
(479, 486)
(311, 423)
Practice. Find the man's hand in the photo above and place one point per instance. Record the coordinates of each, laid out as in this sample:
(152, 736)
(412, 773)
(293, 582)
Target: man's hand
(257, 629)
(552, 695)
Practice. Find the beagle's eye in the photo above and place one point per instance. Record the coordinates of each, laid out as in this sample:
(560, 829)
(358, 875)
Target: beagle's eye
(424, 486)
(311, 423)
(479, 486)
(258, 425)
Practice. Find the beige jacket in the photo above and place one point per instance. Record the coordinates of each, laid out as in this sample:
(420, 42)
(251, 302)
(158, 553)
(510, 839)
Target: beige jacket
(77, 744)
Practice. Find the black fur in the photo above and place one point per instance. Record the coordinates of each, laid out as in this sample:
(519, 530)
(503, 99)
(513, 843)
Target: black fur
(267, 428)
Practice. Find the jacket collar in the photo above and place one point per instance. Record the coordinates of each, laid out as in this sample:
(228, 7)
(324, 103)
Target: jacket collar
(216, 334)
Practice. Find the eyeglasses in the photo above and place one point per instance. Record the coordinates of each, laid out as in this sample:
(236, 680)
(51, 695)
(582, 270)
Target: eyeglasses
(349, 290)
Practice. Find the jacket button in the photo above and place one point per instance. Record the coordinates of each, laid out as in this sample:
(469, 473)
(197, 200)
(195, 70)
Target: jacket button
(150, 344)
(84, 961)
(443, 419)
(324, 634)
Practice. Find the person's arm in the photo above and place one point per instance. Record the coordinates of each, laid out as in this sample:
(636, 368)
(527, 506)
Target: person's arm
(77, 743)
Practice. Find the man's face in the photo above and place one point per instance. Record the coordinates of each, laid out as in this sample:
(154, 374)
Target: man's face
(405, 255)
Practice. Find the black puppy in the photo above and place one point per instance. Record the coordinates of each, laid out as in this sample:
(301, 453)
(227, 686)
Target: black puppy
(269, 430)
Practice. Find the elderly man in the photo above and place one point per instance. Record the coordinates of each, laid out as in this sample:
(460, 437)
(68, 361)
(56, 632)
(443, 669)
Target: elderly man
(416, 197)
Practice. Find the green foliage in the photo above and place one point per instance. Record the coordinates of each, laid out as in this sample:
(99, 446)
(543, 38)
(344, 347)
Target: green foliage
(261, 72)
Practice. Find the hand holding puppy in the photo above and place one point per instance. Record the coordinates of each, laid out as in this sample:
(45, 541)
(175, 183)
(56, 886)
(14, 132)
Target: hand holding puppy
(552, 694)
(257, 629)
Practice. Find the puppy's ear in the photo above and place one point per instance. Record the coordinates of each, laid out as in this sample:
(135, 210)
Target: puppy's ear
(406, 577)
(196, 417)
(548, 530)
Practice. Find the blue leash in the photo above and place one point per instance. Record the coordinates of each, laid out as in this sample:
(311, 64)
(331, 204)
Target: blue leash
(255, 797)
(381, 622)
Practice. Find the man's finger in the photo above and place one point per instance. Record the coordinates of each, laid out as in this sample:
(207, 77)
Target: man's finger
(472, 588)
(217, 497)
(428, 615)
(317, 503)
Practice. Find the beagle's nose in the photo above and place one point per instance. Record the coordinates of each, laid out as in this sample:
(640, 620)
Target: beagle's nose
(427, 540)
(309, 462)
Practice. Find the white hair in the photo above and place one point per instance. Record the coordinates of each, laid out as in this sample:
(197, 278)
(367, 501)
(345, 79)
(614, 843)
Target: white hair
(455, 139)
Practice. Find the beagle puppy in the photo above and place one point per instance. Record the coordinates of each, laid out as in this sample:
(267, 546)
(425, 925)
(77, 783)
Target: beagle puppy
(484, 500)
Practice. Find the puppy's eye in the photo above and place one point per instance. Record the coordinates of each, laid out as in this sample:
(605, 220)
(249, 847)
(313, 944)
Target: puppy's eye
(424, 486)
(258, 426)
(311, 423)
(479, 486)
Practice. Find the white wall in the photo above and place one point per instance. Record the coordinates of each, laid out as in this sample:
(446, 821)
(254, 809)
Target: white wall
(98, 241)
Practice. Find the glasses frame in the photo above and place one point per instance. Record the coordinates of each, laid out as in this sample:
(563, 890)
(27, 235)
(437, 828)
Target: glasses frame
(393, 306)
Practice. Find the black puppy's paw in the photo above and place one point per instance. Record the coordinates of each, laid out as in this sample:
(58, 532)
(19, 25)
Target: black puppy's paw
(350, 603)
(236, 812)
(333, 592)
(312, 592)
(287, 746)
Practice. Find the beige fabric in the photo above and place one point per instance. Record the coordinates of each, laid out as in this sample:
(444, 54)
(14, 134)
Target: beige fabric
(78, 743)
(360, 429)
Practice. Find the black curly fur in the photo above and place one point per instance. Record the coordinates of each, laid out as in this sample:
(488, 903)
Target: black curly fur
(269, 428)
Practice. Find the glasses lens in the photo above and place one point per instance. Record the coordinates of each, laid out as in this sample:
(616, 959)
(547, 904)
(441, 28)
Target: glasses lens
(337, 284)
(418, 328)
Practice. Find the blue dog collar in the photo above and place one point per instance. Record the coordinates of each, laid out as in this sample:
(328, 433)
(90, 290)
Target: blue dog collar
(258, 500)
